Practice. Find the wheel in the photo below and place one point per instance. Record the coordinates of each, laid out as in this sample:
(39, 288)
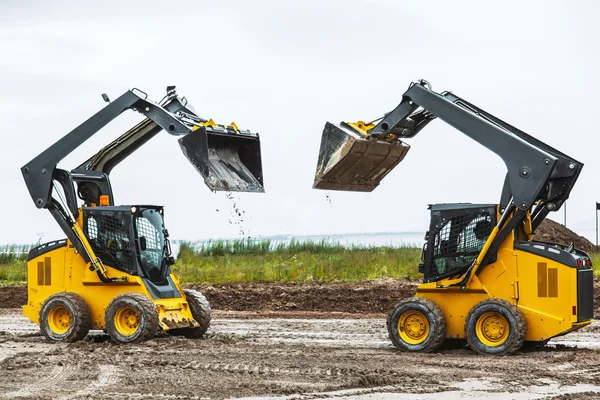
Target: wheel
(495, 327)
(131, 318)
(417, 324)
(65, 317)
(201, 312)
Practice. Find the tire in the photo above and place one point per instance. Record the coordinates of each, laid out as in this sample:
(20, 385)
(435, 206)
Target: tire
(201, 312)
(495, 327)
(426, 320)
(65, 317)
(131, 318)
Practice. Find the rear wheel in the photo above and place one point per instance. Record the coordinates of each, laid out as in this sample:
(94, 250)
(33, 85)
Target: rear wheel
(65, 317)
(131, 318)
(417, 324)
(201, 312)
(495, 327)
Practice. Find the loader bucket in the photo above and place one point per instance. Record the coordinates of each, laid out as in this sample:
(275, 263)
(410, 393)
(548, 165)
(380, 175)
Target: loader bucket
(228, 161)
(351, 162)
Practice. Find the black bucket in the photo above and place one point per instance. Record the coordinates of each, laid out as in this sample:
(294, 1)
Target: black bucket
(351, 162)
(228, 160)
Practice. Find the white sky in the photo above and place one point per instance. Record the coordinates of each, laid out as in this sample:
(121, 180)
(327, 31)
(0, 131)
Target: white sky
(283, 69)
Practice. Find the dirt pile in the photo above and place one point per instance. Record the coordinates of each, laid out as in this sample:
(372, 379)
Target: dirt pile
(376, 296)
(550, 231)
(371, 297)
(12, 296)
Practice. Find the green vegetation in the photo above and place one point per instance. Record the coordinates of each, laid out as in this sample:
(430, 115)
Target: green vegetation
(261, 261)
(13, 264)
(595, 263)
(264, 261)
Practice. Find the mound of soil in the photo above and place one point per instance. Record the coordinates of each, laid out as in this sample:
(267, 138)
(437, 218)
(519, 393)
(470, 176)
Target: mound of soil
(371, 297)
(13, 296)
(551, 231)
(376, 296)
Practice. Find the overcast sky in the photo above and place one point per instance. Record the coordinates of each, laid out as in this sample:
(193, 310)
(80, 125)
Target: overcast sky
(283, 69)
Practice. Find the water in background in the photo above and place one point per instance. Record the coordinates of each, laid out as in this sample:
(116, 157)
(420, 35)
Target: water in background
(392, 239)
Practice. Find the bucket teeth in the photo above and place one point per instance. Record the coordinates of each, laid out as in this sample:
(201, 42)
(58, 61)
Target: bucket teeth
(350, 162)
(227, 161)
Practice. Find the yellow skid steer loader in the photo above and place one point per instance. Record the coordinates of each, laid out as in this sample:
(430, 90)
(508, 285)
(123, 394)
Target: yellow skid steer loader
(486, 279)
(112, 272)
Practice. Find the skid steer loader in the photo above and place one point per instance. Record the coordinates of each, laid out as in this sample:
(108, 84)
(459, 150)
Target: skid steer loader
(112, 272)
(486, 279)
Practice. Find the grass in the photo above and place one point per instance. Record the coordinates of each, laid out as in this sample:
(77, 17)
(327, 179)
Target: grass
(595, 263)
(265, 261)
(13, 263)
(321, 261)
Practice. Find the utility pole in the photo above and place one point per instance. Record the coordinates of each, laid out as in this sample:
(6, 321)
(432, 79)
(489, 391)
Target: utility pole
(565, 210)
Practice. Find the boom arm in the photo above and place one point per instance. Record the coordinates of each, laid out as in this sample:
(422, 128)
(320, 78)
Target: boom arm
(356, 156)
(539, 177)
(537, 173)
(242, 170)
(40, 172)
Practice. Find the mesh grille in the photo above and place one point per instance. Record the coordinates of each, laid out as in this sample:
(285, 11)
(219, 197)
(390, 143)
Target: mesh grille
(109, 239)
(457, 243)
(153, 252)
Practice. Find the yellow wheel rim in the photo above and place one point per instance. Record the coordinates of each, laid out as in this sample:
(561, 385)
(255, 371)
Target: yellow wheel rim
(127, 320)
(492, 329)
(59, 319)
(413, 327)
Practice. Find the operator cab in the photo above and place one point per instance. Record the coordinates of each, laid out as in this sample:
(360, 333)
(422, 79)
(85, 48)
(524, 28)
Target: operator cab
(456, 236)
(132, 239)
(458, 232)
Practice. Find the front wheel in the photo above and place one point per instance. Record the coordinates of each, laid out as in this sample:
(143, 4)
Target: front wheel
(417, 325)
(201, 311)
(131, 318)
(495, 327)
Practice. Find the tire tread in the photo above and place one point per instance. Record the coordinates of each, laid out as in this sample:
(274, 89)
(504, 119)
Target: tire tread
(519, 338)
(82, 318)
(439, 334)
(148, 308)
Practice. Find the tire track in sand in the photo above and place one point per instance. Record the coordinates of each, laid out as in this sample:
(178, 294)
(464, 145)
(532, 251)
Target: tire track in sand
(109, 375)
(58, 375)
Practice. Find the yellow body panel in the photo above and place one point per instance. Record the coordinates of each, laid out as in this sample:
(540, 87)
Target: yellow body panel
(544, 290)
(64, 270)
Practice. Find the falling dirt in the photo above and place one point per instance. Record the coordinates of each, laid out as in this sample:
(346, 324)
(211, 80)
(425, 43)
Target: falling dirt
(237, 215)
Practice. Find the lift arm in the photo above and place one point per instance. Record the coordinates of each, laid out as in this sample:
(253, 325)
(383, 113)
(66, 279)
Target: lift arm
(40, 172)
(539, 177)
(356, 156)
(173, 115)
(537, 173)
